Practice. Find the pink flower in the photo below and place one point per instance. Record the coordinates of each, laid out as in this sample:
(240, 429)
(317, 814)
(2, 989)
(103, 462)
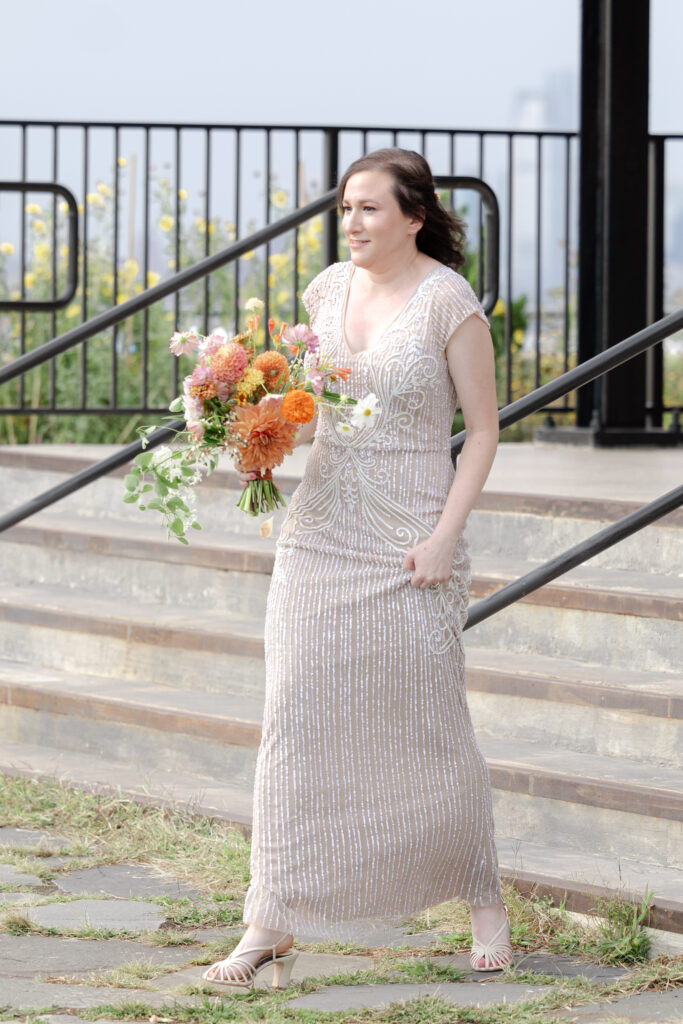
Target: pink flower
(193, 408)
(300, 336)
(317, 380)
(196, 428)
(212, 342)
(199, 376)
(228, 363)
(183, 342)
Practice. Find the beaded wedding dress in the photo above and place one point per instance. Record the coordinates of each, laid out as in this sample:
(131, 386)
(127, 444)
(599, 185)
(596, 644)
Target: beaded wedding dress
(372, 800)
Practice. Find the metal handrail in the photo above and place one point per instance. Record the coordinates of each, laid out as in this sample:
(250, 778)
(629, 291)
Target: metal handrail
(48, 305)
(209, 264)
(554, 567)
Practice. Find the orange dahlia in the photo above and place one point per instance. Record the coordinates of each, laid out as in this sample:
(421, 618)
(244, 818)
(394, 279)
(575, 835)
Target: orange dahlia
(228, 363)
(263, 435)
(204, 391)
(274, 368)
(298, 406)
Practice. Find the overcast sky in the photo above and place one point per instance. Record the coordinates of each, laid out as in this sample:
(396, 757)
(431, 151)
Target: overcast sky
(365, 62)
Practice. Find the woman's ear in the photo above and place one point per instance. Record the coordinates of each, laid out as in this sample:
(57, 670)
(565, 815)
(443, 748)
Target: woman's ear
(416, 221)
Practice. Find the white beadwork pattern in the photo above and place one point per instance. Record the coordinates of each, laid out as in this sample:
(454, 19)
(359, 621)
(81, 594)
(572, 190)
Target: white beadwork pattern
(372, 800)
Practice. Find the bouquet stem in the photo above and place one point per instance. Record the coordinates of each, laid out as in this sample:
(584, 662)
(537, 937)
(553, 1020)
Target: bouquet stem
(261, 495)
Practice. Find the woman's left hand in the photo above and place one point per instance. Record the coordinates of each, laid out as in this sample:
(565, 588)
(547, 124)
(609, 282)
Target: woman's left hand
(431, 562)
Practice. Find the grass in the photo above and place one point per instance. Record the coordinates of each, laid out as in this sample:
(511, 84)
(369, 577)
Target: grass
(214, 858)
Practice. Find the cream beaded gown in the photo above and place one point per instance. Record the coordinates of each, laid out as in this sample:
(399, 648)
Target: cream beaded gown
(372, 799)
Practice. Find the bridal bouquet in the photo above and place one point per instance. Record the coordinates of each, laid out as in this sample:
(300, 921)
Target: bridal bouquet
(248, 404)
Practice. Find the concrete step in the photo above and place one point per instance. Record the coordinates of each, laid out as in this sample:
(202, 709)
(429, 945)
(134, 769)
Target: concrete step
(614, 617)
(570, 704)
(536, 526)
(542, 794)
(547, 870)
(565, 702)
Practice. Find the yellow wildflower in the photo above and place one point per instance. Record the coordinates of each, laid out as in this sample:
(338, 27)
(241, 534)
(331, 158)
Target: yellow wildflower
(518, 336)
(166, 222)
(80, 207)
(122, 162)
(42, 251)
(278, 260)
(64, 251)
(15, 294)
(271, 280)
(94, 199)
(499, 308)
(33, 208)
(152, 278)
(39, 226)
(63, 206)
(103, 189)
(29, 279)
(182, 193)
(282, 298)
(171, 264)
(248, 255)
(73, 311)
(131, 268)
(6, 248)
(122, 297)
(279, 198)
(137, 288)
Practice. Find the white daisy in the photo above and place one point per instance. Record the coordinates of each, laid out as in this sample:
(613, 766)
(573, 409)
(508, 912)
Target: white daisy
(346, 428)
(366, 411)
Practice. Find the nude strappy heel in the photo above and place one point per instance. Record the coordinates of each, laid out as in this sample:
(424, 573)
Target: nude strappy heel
(247, 972)
(496, 955)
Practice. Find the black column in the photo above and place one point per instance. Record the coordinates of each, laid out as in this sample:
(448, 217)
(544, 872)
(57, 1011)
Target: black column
(613, 217)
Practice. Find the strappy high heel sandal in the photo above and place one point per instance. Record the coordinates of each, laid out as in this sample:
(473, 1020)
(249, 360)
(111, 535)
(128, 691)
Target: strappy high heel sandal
(247, 972)
(496, 955)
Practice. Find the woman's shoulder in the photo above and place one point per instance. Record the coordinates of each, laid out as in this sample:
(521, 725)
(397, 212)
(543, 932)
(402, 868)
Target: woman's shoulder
(322, 284)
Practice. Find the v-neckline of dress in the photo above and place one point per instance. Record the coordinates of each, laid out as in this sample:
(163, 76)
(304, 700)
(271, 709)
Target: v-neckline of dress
(385, 331)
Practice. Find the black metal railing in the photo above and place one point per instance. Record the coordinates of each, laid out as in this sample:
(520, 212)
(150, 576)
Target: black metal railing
(178, 193)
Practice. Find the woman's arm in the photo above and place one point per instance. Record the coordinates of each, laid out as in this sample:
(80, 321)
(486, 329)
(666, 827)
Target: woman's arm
(472, 367)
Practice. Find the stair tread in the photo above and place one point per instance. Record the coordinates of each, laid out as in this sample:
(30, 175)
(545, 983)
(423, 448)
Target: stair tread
(585, 577)
(532, 756)
(128, 612)
(522, 755)
(209, 796)
(528, 664)
(147, 540)
(197, 703)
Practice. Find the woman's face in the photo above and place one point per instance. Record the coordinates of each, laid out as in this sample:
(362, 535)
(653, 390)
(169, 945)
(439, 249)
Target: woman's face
(379, 234)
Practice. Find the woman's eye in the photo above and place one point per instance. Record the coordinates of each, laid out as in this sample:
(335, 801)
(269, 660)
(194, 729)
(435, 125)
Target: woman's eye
(370, 208)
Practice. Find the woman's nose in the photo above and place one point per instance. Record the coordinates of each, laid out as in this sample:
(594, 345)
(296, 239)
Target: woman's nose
(351, 222)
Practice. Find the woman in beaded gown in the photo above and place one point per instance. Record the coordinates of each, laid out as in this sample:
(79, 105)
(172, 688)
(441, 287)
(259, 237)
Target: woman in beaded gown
(372, 800)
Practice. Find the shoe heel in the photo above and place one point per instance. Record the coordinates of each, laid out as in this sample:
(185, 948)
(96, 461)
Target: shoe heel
(282, 970)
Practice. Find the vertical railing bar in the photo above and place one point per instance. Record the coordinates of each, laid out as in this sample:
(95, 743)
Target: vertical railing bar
(175, 377)
(84, 296)
(423, 139)
(365, 141)
(115, 329)
(22, 247)
(297, 199)
(207, 217)
(567, 230)
(508, 270)
(480, 232)
(266, 271)
(238, 140)
(53, 288)
(454, 143)
(144, 355)
(539, 245)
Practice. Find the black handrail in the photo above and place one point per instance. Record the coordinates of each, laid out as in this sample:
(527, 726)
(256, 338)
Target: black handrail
(574, 556)
(583, 373)
(47, 305)
(209, 264)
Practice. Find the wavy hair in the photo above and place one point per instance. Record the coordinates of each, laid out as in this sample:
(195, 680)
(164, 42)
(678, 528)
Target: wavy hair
(442, 235)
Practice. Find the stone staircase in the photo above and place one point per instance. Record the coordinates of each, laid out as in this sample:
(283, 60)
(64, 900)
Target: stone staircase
(130, 661)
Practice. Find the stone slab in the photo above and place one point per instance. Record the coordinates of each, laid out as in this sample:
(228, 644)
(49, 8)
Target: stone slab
(68, 1018)
(26, 837)
(566, 967)
(307, 965)
(132, 915)
(357, 997)
(9, 875)
(22, 994)
(8, 899)
(124, 880)
(646, 1008)
(25, 956)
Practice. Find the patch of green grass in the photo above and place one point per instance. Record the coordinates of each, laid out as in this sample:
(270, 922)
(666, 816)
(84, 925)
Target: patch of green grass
(214, 912)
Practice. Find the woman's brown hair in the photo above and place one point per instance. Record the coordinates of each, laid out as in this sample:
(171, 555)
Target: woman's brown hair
(442, 235)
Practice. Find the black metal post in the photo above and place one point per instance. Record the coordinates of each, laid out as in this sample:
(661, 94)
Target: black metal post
(330, 172)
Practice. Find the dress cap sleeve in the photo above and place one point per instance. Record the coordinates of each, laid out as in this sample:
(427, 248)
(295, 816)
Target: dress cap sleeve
(456, 301)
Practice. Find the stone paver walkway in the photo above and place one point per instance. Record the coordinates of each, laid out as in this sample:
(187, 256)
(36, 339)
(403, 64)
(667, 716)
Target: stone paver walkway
(64, 974)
